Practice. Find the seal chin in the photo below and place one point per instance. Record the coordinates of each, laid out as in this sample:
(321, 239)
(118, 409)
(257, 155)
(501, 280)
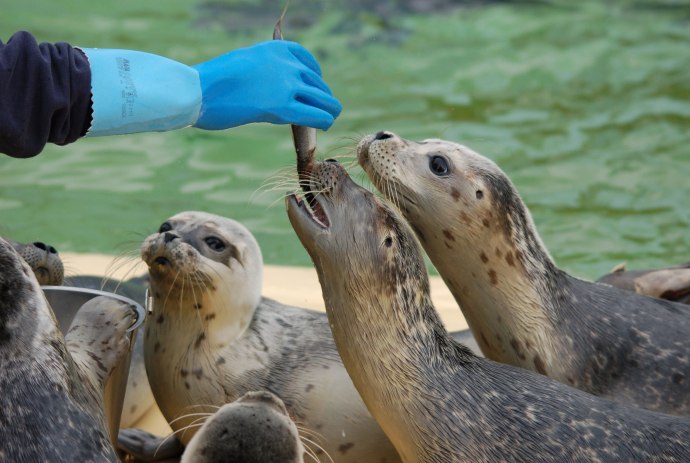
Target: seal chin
(309, 210)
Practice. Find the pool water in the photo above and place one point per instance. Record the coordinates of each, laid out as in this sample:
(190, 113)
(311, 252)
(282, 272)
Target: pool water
(586, 106)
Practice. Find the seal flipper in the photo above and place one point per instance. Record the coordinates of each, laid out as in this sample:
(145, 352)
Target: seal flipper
(144, 446)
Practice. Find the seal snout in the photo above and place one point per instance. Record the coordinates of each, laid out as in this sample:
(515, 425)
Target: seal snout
(383, 135)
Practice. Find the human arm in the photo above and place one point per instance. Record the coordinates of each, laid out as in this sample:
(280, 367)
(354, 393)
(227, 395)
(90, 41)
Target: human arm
(45, 93)
(57, 93)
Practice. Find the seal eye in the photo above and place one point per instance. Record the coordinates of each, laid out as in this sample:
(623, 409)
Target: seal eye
(439, 166)
(215, 243)
(165, 227)
(388, 242)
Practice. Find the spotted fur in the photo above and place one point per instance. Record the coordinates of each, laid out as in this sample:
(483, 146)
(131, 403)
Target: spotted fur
(435, 400)
(603, 340)
(256, 428)
(43, 259)
(212, 338)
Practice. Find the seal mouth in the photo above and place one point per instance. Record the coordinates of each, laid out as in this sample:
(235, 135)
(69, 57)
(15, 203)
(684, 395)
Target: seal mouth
(313, 209)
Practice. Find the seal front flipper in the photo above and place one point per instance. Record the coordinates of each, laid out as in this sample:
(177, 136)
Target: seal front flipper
(144, 446)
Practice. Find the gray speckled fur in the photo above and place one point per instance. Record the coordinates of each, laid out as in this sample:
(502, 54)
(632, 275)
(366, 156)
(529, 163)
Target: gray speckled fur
(522, 308)
(437, 401)
(255, 428)
(46, 412)
(212, 338)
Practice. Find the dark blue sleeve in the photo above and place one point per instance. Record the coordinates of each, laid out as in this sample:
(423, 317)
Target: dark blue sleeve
(45, 95)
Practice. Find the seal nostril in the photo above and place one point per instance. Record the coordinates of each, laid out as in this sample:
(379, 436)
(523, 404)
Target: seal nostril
(52, 250)
(40, 245)
(383, 136)
(168, 237)
(331, 160)
(162, 260)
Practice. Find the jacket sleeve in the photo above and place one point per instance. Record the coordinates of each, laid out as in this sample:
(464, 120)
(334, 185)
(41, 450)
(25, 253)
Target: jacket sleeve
(45, 95)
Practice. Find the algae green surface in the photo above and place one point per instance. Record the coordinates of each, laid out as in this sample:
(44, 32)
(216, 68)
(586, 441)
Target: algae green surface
(586, 106)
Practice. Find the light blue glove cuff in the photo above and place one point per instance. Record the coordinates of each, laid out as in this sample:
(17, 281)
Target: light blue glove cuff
(133, 91)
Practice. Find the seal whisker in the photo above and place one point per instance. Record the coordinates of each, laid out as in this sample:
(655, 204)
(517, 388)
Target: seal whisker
(193, 424)
(189, 415)
(319, 447)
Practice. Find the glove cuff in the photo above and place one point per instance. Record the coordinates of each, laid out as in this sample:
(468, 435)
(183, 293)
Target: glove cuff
(133, 91)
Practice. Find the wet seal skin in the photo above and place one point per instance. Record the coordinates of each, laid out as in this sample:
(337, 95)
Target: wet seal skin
(51, 406)
(212, 337)
(522, 309)
(435, 400)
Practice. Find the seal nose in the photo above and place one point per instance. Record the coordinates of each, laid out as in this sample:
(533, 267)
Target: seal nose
(383, 136)
(168, 237)
(44, 247)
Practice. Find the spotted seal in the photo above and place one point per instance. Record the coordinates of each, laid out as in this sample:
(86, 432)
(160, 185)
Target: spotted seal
(43, 259)
(51, 406)
(521, 307)
(435, 400)
(212, 337)
(256, 428)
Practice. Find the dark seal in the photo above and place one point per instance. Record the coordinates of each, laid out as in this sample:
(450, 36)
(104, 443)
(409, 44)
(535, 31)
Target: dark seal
(51, 405)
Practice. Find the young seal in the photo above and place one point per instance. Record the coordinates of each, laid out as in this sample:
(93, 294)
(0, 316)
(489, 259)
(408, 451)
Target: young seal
(212, 337)
(256, 428)
(43, 259)
(51, 406)
(435, 400)
(521, 307)
(671, 283)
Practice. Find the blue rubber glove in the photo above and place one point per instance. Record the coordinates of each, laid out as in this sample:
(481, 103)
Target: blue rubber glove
(274, 81)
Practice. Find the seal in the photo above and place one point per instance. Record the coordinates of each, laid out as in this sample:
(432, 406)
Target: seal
(52, 387)
(138, 396)
(212, 337)
(435, 400)
(43, 259)
(256, 428)
(523, 309)
(671, 283)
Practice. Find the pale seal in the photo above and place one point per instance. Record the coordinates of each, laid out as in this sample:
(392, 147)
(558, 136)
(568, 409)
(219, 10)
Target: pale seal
(435, 400)
(522, 309)
(671, 283)
(212, 337)
(43, 259)
(51, 406)
(256, 428)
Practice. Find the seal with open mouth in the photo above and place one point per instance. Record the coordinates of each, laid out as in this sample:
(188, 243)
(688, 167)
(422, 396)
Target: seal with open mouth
(522, 309)
(435, 400)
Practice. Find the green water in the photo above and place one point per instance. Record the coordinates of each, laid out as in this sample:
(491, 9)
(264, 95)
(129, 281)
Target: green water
(586, 106)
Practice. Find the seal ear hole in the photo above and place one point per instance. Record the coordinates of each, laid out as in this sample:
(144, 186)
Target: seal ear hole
(165, 227)
(439, 166)
(215, 243)
(388, 242)
(480, 194)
